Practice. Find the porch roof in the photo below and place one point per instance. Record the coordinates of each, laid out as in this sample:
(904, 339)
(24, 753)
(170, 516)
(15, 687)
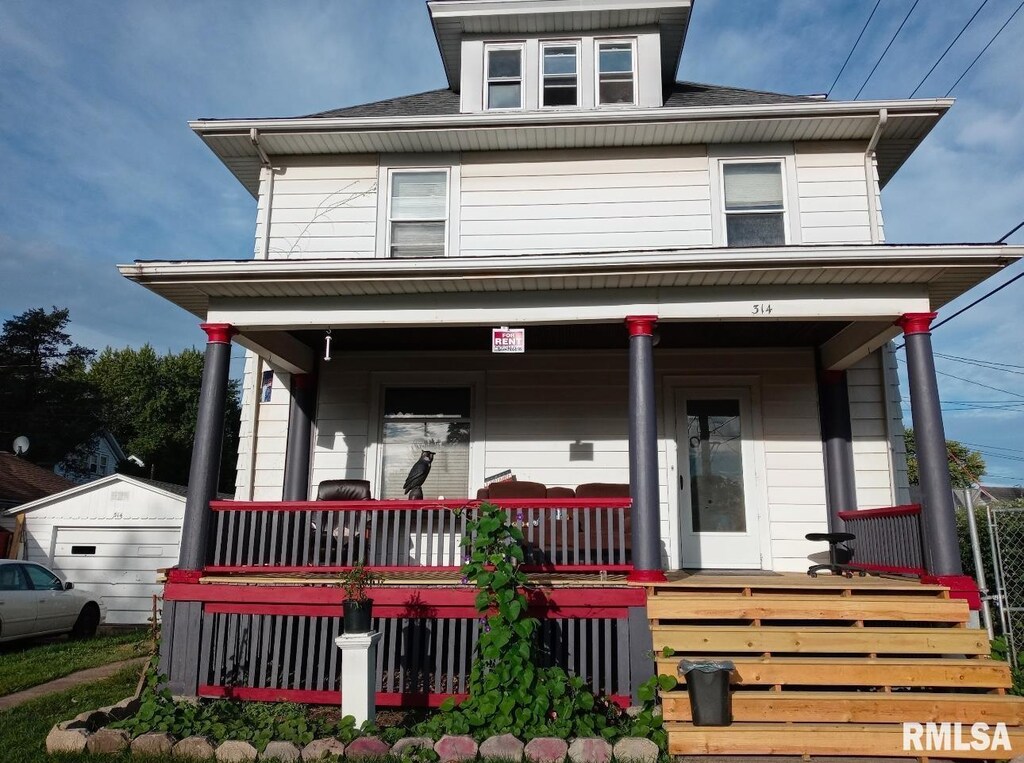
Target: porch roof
(943, 271)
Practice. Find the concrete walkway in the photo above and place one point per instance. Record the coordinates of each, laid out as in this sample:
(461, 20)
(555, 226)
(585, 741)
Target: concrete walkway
(68, 682)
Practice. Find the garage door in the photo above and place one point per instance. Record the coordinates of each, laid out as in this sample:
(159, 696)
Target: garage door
(119, 564)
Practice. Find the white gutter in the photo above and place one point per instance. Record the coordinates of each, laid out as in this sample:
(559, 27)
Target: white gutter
(870, 162)
(267, 178)
(809, 109)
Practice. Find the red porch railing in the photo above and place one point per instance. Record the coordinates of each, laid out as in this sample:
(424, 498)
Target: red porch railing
(888, 540)
(572, 535)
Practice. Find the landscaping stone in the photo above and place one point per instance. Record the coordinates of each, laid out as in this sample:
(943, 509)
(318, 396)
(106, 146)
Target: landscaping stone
(66, 740)
(236, 751)
(453, 747)
(286, 752)
(412, 743)
(502, 747)
(107, 741)
(367, 747)
(636, 750)
(72, 724)
(153, 744)
(590, 750)
(322, 748)
(194, 748)
(546, 750)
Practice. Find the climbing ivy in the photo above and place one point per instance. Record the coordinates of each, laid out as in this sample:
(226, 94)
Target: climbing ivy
(509, 691)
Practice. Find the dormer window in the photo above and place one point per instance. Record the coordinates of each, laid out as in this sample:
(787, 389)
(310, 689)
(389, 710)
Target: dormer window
(616, 72)
(560, 74)
(504, 89)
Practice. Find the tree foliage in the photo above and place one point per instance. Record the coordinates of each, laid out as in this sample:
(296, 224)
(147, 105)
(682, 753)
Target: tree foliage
(150, 403)
(45, 392)
(966, 466)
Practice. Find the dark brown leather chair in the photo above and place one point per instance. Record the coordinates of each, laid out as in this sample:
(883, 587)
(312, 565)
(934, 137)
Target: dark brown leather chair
(343, 490)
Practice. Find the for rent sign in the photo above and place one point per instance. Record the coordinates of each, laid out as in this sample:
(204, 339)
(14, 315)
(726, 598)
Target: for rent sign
(505, 339)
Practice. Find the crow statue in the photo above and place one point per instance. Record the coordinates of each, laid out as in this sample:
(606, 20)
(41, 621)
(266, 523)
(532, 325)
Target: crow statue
(418, 475)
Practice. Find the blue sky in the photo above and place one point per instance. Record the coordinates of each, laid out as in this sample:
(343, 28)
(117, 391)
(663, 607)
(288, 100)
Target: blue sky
(99, 166)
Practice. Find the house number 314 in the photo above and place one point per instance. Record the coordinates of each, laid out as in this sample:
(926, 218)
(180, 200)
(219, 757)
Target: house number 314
(762, 309)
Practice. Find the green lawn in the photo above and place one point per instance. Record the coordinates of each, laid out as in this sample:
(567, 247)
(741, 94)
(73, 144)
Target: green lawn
(23, 729)
(25, 664)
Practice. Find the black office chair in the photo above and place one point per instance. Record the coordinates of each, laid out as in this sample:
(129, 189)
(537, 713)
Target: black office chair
(839, 555)
(337, 490)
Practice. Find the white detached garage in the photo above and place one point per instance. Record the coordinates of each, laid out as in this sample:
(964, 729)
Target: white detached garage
(109, 536)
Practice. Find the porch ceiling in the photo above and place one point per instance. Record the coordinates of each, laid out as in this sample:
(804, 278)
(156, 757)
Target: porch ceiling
(944, 271)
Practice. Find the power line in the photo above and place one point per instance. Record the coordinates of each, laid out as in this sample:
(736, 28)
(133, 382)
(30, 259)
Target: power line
(992, 447)
(1013, 230)
(971, 65)
(979, 364)
(879, 61)
(855, 44)
(950, 47)
(971, 381)
(977, 360)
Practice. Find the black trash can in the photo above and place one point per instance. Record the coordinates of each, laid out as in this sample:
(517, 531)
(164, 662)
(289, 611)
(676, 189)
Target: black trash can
(707, 683)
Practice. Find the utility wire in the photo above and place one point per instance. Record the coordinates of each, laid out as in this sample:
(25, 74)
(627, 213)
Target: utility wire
(977, 360)
(992, 447)
(979, 364)
(879, 61)
(855, 44)
(971, 65)
(1016, 228)
(949, 47)
(971, 381)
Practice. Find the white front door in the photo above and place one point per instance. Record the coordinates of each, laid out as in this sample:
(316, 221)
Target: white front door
(718, 504)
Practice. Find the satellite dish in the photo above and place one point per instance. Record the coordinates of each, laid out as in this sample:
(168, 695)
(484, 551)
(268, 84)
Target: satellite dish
(20, 445)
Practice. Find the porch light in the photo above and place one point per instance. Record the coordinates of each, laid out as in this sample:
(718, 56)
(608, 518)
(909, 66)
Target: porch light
(327, 345)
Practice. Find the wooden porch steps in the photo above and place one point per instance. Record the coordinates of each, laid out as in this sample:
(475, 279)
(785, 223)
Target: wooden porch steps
(829, 666)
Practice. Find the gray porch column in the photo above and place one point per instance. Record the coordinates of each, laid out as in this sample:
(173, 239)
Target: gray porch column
(301, 411)
(643, 451)
(941, 549)
(837, 442)
(205, 468)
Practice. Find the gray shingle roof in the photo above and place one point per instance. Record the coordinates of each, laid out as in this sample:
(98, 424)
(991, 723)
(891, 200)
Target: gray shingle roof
(445, 102)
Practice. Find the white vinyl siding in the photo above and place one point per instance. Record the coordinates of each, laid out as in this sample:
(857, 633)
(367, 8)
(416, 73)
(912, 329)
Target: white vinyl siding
(833, 193)
(321, 207)
(869, 420)
(565, 201)
(271, 434)
(894, 415)
(561, 419)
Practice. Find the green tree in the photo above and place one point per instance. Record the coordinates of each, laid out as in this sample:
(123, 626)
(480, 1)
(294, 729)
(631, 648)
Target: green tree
(965, 465)
(150, 404)
(45, 393)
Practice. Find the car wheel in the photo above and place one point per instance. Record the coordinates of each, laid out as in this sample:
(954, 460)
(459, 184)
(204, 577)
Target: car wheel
(87, 622)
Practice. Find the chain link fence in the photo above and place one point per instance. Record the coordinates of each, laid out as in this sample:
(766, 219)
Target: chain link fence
(1006, 528)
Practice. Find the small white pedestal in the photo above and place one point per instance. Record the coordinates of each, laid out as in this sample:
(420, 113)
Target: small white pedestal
(358, 679)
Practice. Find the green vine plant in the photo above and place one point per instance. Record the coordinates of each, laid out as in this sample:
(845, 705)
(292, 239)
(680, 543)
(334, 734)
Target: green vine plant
(509, 691)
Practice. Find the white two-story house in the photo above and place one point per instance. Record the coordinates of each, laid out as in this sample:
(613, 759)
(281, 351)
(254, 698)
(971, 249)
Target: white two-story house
(564, 182)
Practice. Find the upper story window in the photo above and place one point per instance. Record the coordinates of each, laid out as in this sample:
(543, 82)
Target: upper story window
(418, 213)
(560, 74)
(754, 203)
(616, 72)
(504, 88)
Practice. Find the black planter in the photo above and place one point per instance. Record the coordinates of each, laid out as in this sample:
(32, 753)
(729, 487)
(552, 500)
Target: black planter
(357, 615)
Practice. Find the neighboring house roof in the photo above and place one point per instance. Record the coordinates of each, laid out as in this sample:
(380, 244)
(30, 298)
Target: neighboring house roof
(22, 481)
(445, 102)
(113, 444)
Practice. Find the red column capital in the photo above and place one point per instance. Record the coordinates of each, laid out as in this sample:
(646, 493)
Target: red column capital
(303, 381)
(218, 333)
(916, 323)
(641, 325)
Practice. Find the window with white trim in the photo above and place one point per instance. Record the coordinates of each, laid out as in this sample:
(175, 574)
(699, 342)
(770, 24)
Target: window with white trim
(754, 203)
(418, 213)
(504, 69)
(616, 72)
(559, 74)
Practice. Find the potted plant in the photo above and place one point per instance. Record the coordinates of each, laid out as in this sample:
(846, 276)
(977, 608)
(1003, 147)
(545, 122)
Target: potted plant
(357, 606)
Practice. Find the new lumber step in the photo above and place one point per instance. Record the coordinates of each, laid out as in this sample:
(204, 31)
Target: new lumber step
(726, 639)
(860, 671)
(858, 707)
(842, 739)
(726, 606)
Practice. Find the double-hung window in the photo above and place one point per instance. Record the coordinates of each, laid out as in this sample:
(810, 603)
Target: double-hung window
(560, 74)
(754, 201)
(504, 88)
(418, 213)
(616, 72)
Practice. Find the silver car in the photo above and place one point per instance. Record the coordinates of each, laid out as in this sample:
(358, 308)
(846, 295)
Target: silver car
(35, 602)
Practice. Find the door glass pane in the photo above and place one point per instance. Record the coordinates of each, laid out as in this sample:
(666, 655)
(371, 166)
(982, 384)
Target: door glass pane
(42, 580)
(716, 466)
